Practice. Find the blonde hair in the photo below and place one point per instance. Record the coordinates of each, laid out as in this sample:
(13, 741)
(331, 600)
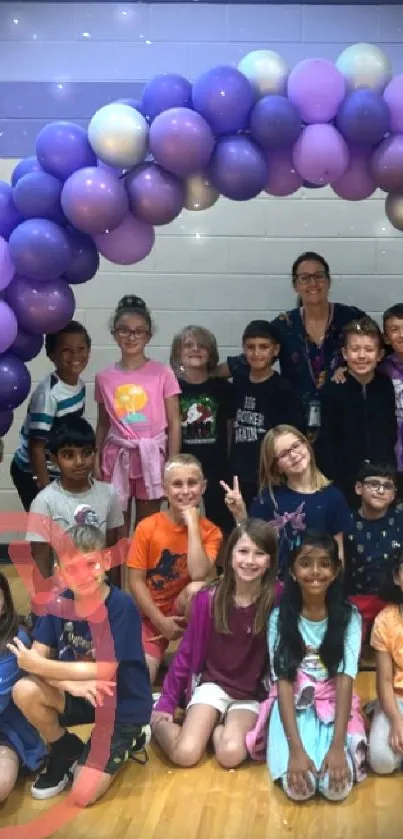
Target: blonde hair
(85, 538)
(269, 472)
(178, 460)
(203, 337)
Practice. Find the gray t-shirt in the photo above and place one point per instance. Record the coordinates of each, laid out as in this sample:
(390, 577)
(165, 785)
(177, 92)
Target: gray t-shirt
(99, 506)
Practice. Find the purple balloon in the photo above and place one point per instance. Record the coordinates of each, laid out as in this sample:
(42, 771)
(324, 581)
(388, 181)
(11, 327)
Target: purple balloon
(133, 103)
(6, 421)
(224, 97)
(25, 167)
(155, 196)
(320, 154)
(164, 92)
(317, 88)
(283, 178)
(41, 307)
(275, 123)
(131, 242)
(356, 183)
(94, 200)
(40, 249)
(7, 269)
(85, 259)
(387, 164)
(26, 346)
(15, 382)
(8, 326)
(62, 148)
(181, 141)
(9, 215)
(238, 168)
(363, 118)
(37, 195)
(393, 96)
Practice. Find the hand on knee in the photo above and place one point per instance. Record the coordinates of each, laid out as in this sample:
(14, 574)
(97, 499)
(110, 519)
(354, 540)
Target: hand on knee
(302, 792)
(230, 753)
(333, 792)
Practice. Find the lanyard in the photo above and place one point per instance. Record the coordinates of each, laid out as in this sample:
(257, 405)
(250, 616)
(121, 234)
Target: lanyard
(317, 367)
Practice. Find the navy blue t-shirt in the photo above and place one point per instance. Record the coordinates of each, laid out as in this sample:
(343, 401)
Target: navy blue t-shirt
(368, 545)
(73, 641)
(291, 513)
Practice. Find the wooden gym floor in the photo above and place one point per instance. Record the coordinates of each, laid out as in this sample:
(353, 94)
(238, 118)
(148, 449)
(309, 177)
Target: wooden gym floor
(158, 801)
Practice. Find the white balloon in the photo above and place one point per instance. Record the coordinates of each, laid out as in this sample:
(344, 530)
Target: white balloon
(200, 193)
(365, 65)
(394, 210)
(266, 70)
(118, 135)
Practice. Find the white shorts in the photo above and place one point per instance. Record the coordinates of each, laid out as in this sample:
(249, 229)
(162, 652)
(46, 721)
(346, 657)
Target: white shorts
(211, 694)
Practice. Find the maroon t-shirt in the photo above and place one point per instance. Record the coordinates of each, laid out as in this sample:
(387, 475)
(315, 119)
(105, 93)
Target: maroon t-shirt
(237, 662)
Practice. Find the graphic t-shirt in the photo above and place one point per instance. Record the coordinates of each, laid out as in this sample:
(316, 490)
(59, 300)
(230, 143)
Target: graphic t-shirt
(205, 411)
(159, 547)
(99, 506)
(387, 637)
(134, 399)
(368, 545)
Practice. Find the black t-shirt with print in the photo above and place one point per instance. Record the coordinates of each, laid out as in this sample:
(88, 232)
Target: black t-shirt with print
(205, 410)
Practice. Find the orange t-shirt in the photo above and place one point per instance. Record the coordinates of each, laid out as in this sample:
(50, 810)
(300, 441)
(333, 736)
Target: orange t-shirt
(387, 637)
(159, 547)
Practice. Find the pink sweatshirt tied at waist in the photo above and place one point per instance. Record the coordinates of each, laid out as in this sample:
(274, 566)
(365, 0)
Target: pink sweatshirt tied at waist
(150, 450)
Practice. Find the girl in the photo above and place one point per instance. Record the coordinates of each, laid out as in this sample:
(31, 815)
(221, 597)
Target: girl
(386, 735)
(20, 745)
(138, 413)
(221, 662)
(316, 736)
(206, 413)
(294, 495)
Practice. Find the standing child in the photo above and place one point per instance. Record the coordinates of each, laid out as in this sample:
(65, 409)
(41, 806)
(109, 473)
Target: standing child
(221, 664)
(206, 414)
(58, 395)
(392, 366)
(138, 413)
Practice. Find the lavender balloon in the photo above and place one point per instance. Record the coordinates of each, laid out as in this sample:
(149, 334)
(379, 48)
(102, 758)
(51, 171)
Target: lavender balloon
(387, 164)
(25, 167)
(133, 103)
(40, 249)
(8, 326)
(275, 123)
(363, 118)
(131, 242)
(7, 269)
(238, 168)
(85, 259)
(41, 307)
(94, 200)
(224, 97)
(6, 421)
(166, 91)
(320, 154)
(155, 196)
(15, 382)
(26, 346)
(356, 183)
(393, 96)
(62, 148)
(9, 215)
(317, 89)
(181, 141)
(283, 178)
(37, 195)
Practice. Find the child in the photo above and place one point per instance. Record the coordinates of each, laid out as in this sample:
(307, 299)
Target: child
(170, 557)
(59, 394)
(375, 530)
(221, 663)
(358, 416)
(294, 496)
(138, 414)
(316, 736)
(206, 413)
(20, 745)
(64, 692)
(386, 734)
(392, 366)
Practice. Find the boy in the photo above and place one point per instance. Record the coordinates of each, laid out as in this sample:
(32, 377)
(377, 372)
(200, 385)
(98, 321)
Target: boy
(375, 530)
(171, 555)
(60, 394)
(64, 692)
(263, 399)
(358, 416)
(392, 366)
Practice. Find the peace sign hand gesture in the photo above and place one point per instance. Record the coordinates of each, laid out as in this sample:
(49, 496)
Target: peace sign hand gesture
(234, 500)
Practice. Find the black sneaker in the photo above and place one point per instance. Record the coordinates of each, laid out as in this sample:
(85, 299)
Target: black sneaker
(140, 744)
(58, 772)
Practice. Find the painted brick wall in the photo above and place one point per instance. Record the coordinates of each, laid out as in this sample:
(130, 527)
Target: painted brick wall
(226, 266)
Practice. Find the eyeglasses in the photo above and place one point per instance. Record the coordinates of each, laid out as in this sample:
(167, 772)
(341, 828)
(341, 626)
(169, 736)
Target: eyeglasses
(317, 277)
(377, 486)
(125, 332)
(294, 449)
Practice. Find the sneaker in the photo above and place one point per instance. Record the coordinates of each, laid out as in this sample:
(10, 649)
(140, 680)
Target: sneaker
(139, 747)
(59, 770)
(156, 697)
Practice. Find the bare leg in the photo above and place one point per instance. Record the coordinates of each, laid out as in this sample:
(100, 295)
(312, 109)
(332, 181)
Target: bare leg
(185, 745)
(229, 739)
(41, 704)
(147, 508)
(153, 665)
(9, 766)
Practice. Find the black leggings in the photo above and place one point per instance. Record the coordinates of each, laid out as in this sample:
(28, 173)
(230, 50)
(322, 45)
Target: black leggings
(25, 485)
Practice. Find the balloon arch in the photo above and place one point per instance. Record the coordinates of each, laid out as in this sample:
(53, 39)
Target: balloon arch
(234, 132)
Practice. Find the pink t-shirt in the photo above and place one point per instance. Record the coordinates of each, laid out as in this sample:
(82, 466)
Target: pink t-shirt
(134, 399)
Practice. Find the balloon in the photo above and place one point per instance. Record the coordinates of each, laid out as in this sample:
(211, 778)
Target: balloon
(6, 421)
(320, 154)
(62, 148)
(356, 183)
(118, 135)
(283, 178)
(224, 97)
(166, 91)
(133, 103)
(15, 382)
(40, 249)
(94, 200)
(84, 263)
(394, 210)
(266, 70)
(155, 196)
(387, 164)
(364, 65)
(131, 242)
(8, 326)
(181, 141)
(37, 195)
(26, 346)
(393, 96)
(309, 185)
(363, 118)
(25, 167)
(9, 215)
(200, 193)
(238, 168)
(7, 269)
(275, 123)
(41, 307)
(317, 89)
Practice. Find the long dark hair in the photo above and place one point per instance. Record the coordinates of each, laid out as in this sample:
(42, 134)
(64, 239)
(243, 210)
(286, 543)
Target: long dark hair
(290, 649)
(390, 590)
(9, 620)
